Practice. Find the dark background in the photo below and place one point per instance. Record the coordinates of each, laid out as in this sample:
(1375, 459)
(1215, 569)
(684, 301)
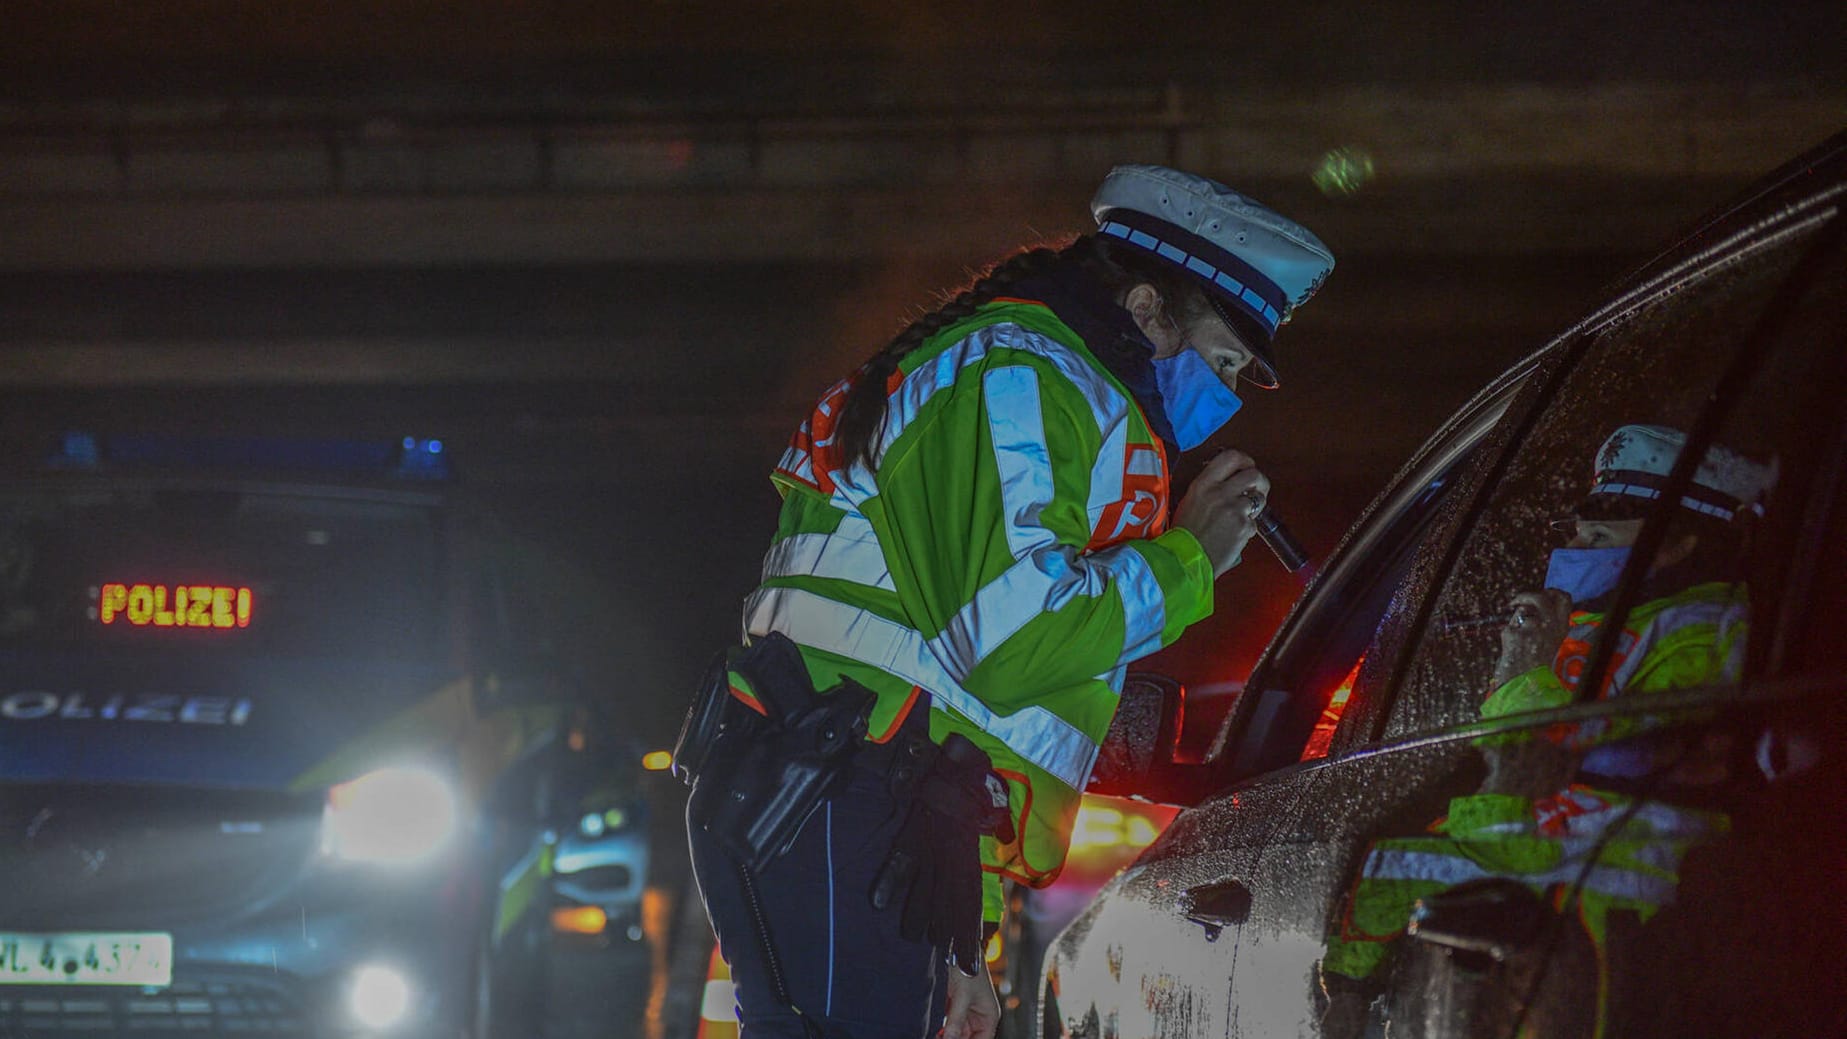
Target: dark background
(611, 252)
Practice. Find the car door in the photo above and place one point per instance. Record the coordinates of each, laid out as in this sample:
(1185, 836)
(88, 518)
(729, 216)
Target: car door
(1154, 953)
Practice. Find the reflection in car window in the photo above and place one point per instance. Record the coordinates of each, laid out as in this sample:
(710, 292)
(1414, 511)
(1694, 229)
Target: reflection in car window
(1655, 367)
(1592, 577)
(1773, 881)
(1323, 735)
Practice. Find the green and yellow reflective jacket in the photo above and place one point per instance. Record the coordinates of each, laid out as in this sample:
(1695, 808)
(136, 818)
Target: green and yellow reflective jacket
(1010, 555)
(1686, 640)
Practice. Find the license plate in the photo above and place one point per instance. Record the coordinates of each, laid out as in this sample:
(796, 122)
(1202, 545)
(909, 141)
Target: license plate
(86, 958)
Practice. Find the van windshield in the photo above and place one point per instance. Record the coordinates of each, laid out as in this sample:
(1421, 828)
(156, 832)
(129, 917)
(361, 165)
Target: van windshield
(219, 570)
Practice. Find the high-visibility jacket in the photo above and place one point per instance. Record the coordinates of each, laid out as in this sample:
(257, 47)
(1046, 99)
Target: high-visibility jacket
(1011, 555)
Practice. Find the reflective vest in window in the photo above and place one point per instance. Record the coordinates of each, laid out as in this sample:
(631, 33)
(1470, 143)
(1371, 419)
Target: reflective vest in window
(1686, 640)
(1011, 554)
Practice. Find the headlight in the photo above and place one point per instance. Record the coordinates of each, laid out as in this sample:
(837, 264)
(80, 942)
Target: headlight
(396, 815)
(379, 996)
(591, 825)
(596, 824)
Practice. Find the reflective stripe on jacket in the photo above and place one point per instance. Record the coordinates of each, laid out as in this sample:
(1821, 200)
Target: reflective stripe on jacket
(1010, 555)
(1626, 856)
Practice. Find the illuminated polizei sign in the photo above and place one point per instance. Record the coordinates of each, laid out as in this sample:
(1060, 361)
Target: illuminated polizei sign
(142, 605)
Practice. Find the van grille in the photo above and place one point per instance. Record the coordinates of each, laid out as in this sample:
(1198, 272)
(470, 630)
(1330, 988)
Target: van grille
(112, 857)
(186, 1009)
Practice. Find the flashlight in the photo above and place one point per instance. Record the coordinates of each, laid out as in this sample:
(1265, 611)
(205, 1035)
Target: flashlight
(1486, 620)
(1289, 551)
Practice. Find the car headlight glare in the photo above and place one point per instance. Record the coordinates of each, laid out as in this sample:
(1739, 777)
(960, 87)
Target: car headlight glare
(596, 824)
(393, 815)
(591, 825)
(379, 996)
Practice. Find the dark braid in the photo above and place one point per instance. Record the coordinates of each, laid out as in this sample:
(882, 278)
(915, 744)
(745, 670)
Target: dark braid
(1117, 267)
(865, 405)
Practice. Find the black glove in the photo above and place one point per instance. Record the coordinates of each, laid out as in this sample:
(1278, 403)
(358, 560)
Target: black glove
(934, 868)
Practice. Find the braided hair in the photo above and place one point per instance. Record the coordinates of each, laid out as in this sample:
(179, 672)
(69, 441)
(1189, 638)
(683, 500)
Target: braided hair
(1115, 266)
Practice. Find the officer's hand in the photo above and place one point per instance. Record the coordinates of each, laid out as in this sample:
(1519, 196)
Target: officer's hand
(1218, 507)
(974, 1009)
(1531, 636)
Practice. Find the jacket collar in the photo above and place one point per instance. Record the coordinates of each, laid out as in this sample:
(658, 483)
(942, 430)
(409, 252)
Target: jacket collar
(1084, 305)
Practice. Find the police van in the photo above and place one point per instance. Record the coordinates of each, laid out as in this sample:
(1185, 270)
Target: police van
(279, 752)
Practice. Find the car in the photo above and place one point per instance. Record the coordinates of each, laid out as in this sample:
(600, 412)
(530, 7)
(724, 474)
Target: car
(601, 864)
(287, 743)
(1374, 845)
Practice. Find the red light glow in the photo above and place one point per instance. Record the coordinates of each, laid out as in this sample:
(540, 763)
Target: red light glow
(1323, 736)
(174, 606)
(1109, 832)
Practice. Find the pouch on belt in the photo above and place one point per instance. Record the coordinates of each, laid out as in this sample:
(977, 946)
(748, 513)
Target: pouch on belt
(933, 872)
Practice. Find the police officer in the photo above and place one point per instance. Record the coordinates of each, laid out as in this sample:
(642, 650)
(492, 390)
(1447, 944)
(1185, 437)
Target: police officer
(977, 538)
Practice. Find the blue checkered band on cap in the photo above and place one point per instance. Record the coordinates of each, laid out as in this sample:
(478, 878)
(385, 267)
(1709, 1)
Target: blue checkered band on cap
(1703, 500)
(1235, 281)
(1636, 460)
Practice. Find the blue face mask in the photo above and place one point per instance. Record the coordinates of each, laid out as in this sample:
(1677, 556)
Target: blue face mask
(1197, 402)
(1585, 573)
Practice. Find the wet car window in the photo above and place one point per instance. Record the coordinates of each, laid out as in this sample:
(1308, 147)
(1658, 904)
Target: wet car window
(223, 571)
(1775, 767)
(1654, 367)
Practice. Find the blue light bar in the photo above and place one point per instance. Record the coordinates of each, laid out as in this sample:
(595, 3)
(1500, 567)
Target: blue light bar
(75, 451)
(414, 458)
(423, 460)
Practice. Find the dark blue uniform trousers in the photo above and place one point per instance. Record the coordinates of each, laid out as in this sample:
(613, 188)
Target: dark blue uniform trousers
(844, 964)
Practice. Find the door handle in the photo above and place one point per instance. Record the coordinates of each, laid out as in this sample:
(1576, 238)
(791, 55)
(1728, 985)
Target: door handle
(1216, 906)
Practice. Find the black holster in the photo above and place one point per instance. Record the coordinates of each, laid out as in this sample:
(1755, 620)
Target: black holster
(760, 777)
(1491, 957)
(713, 712)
